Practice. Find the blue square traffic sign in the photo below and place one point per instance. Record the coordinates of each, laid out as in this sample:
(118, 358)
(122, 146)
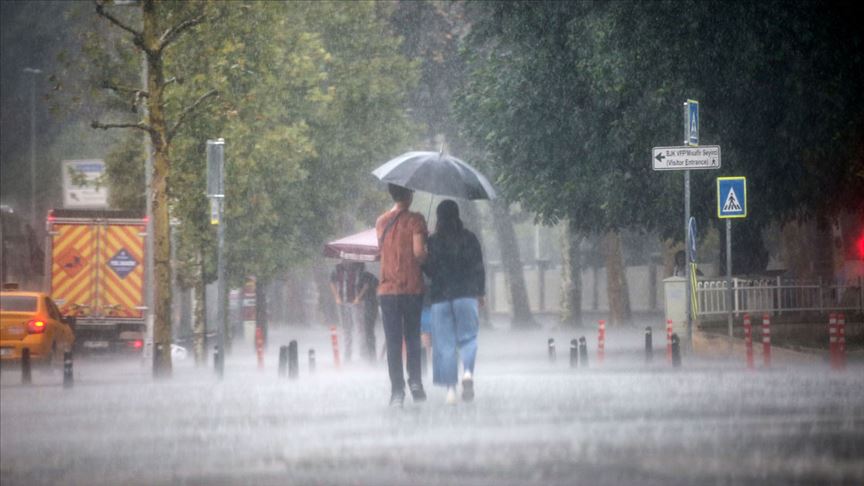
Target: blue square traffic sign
(731, 197)
(691, 134)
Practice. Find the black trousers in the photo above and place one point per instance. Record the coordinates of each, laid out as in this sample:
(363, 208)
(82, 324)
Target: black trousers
(401, 317)
(370, 317)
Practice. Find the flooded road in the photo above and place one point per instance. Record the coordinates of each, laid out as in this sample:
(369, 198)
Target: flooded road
(532, 422)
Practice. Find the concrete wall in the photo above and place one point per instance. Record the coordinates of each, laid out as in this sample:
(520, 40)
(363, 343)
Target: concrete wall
(644, 285)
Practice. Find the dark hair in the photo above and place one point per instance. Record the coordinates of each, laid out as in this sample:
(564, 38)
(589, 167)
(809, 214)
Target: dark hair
(399, 193)
(448, 223)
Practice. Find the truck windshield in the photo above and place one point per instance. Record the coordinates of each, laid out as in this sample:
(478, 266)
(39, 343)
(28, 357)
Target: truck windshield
(17, 303)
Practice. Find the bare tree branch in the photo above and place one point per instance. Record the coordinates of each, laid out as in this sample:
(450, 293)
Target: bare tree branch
(174, 32)
(189, 109)
(138, 92)
(100, 9)
(105, 126)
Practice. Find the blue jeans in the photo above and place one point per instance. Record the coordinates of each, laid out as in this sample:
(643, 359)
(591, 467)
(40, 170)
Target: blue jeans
(454, 332)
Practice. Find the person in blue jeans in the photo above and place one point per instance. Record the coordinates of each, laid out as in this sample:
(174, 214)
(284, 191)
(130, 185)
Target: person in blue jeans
(454, 266)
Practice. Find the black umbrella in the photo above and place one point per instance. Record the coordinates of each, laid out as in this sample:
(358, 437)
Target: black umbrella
(436, 173)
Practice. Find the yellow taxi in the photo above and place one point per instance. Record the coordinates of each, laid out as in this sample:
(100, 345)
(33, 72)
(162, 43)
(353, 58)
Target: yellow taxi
(31, 320)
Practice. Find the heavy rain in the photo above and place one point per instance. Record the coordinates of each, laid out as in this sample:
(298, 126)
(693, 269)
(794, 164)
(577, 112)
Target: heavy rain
(431, 242)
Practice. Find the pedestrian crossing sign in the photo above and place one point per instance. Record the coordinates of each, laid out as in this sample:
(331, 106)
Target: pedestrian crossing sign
(731, 197)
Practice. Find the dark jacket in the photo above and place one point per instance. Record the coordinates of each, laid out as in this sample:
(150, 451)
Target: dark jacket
(455, 267)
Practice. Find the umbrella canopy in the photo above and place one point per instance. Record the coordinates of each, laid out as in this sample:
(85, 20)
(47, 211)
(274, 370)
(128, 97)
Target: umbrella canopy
(436, 173)
(359, 247)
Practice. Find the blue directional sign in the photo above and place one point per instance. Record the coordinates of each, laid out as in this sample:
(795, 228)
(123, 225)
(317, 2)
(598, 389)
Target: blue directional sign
(691, 125)
(731, 197)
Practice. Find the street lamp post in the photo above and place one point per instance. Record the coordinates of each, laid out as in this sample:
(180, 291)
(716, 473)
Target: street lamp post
(34, 221)
(216, 193)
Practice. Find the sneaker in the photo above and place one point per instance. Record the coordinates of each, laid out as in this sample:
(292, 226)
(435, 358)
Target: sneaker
(397, 398)
(417, 392)
(451, 395)
(467, 389)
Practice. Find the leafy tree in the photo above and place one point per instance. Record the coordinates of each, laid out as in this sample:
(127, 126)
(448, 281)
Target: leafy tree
(431, 31)
(568, 98)
(124, 167)
(311, 98)
(162, 123)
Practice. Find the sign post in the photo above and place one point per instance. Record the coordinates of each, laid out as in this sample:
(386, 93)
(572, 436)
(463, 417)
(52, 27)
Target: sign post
(84, 184)
(691, 123)
(691, 266)
(216, 193)
(688, 157)
(731, 203)
(691, 138)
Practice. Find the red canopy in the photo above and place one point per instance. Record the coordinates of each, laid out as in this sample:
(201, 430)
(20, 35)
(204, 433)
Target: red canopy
(359, 247)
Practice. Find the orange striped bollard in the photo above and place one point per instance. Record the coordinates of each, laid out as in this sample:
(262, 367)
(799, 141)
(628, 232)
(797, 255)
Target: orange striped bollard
(766, 340)
(669, 341)
(259, 346)
(334, 338)
(601, 341)
(748, 340)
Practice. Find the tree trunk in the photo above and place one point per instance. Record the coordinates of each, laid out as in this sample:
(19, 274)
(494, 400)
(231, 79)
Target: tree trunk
(326, 305)
(512, 263)
(261, 312)
(200, 316)
(571, 277)
(295, 297)
(278, 292)
(616, 280)
(159, 188)
(671, 247)
(185, 313)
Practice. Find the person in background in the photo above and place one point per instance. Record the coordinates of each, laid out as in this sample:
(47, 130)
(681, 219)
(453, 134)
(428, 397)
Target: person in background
(343, 285)
(368, 297)
(455, 267)
(402, 243)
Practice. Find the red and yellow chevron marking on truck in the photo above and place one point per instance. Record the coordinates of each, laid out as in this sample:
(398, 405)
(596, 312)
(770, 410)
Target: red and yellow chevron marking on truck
(97, 270)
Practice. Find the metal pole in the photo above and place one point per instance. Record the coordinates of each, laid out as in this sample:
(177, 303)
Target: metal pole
(216, 193)
(33, 152)
(729, 275)
(220, 287)
(34, 220)
(689, 337)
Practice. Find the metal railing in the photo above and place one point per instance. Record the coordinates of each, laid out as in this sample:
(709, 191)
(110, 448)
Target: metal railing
(777, 295)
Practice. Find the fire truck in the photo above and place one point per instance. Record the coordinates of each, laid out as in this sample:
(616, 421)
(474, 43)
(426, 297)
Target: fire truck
(97, 276)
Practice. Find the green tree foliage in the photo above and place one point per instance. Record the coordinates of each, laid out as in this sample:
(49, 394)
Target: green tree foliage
(124, 166)
(569, 98)
(431, 31)
(310, 101)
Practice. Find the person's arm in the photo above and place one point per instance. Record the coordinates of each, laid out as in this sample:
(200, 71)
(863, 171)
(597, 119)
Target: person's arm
(429, 266)
(335, 292)
(419, 242)
(362, 293)
(478, 270)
